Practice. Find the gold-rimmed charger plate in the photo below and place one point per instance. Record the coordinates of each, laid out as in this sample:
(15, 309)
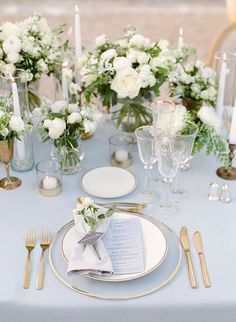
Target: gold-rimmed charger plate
(154, 247)
(150, 283)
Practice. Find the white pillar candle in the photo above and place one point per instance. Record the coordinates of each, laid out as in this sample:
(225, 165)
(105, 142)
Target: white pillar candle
(78, 48)
(64, 81)
(232, 133)
(50, 182)
(121, 155)
(20, 146)
(221, 88)
(181, 39)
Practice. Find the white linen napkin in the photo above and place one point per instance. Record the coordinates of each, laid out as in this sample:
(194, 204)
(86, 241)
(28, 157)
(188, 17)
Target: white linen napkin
(84, 259)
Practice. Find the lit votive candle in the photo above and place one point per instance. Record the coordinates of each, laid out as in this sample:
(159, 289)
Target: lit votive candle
(121, 155)
(50, 186)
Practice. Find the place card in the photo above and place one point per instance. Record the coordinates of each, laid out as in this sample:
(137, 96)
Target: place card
(124, 244)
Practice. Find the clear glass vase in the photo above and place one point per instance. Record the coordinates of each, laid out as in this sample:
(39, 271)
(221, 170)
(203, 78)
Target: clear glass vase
(14, 89)
(129, 114)
(69, 158)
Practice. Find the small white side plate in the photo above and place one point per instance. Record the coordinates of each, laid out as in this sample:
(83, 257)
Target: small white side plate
(108, 182)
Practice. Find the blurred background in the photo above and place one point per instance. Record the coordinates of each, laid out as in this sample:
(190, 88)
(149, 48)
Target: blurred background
(201, 20)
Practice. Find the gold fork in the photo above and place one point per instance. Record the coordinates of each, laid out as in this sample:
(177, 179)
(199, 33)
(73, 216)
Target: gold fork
(29, 244)
(45, 243)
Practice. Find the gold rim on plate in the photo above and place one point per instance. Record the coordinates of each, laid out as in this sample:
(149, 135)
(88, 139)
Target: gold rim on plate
(132, 296)
(116, 196)
(99, 278)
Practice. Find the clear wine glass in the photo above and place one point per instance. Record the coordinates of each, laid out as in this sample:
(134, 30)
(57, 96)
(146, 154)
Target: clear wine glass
(169, 153)
(148, 138)
(188, 139)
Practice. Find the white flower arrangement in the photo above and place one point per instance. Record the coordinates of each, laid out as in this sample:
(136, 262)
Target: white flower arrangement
(63, 123)
(11, 126)
(194, 82)
(127, 72)
(31, 45)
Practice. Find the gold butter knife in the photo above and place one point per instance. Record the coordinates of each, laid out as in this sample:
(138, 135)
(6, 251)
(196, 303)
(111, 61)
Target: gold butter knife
(198, 245)
(185, 243)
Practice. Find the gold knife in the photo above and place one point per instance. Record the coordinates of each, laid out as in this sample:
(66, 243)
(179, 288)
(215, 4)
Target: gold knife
(185, 243)
(198, 245)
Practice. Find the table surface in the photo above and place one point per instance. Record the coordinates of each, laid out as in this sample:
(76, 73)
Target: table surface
(25, 207)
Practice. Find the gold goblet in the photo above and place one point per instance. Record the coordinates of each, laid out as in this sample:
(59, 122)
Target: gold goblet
(6, 155)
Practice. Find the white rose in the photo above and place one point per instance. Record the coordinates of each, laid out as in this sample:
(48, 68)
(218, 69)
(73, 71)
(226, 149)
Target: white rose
(179, 118)
(140, 41)
(73, 118)
(12, 45)
(195, 88)
(108, 54)
(101, 40)
(9, 29)
(57, 128)
(209, 117)
(151, 80)
(13, 58)
(89, 78)
(143, 58)
(16, 123)
(73, 108)
(126, 83)
(58, 106)
(47, 123)
(4, 131)
(132, 55)
(121, 63)
(27, 46)
(42, 66)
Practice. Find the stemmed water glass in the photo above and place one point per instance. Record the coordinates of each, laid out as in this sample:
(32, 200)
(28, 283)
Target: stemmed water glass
(148, 138)
(188, 138)
(169, 153)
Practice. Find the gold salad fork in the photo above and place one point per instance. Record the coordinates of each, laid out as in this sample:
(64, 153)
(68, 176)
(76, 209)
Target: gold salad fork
(45, 243)
(29, 244)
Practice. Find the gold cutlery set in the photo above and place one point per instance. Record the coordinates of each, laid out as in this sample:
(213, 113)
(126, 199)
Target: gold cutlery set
(30, 244)
(198, 245)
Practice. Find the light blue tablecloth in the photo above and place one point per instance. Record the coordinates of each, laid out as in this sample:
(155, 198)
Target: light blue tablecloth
(176, 302)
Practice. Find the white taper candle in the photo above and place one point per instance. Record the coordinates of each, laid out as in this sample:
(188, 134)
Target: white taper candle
(221, 88)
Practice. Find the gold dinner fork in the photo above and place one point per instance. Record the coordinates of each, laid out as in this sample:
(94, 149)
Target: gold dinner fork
(45, 243)
(29, 244)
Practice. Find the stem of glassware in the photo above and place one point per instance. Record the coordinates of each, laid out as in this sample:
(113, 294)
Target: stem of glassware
(147, 182)
(7, 166)
(177, 180)
(167, 190)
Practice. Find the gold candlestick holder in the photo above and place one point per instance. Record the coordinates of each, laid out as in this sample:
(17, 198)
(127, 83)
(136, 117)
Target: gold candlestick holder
(6, 155)
(230, 172)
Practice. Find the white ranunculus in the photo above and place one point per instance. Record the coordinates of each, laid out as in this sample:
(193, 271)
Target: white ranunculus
(209, 117)
(11, 45)
(13, 58)
(74, 117)
(101, 40)
(9, 29)
(121, 63)
(4, 131)
(108, 54)
(132, 55)
(179, 119)
(143, 58)
(151, 80)
(16, 123)
(58, 106)
(89, 78)
(127, 83)
(57, 128)
(54, 133)
(73, 108)
(195, 88)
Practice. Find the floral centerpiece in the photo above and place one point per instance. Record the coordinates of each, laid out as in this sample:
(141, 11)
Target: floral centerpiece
(195, 84)
(63, 124)
(33, 46)
(126, 73)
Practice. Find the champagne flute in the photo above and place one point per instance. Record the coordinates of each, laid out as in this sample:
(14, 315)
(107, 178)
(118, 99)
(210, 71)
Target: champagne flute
(188, 138)
(147, 139)
(169, 154)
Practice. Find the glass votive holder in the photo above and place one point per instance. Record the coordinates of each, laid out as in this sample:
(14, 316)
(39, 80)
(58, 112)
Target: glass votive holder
(49, 178)
(121, 148)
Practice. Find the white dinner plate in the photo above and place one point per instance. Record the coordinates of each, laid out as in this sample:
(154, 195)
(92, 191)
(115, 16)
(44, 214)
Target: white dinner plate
(154, 248)
(108, 182)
